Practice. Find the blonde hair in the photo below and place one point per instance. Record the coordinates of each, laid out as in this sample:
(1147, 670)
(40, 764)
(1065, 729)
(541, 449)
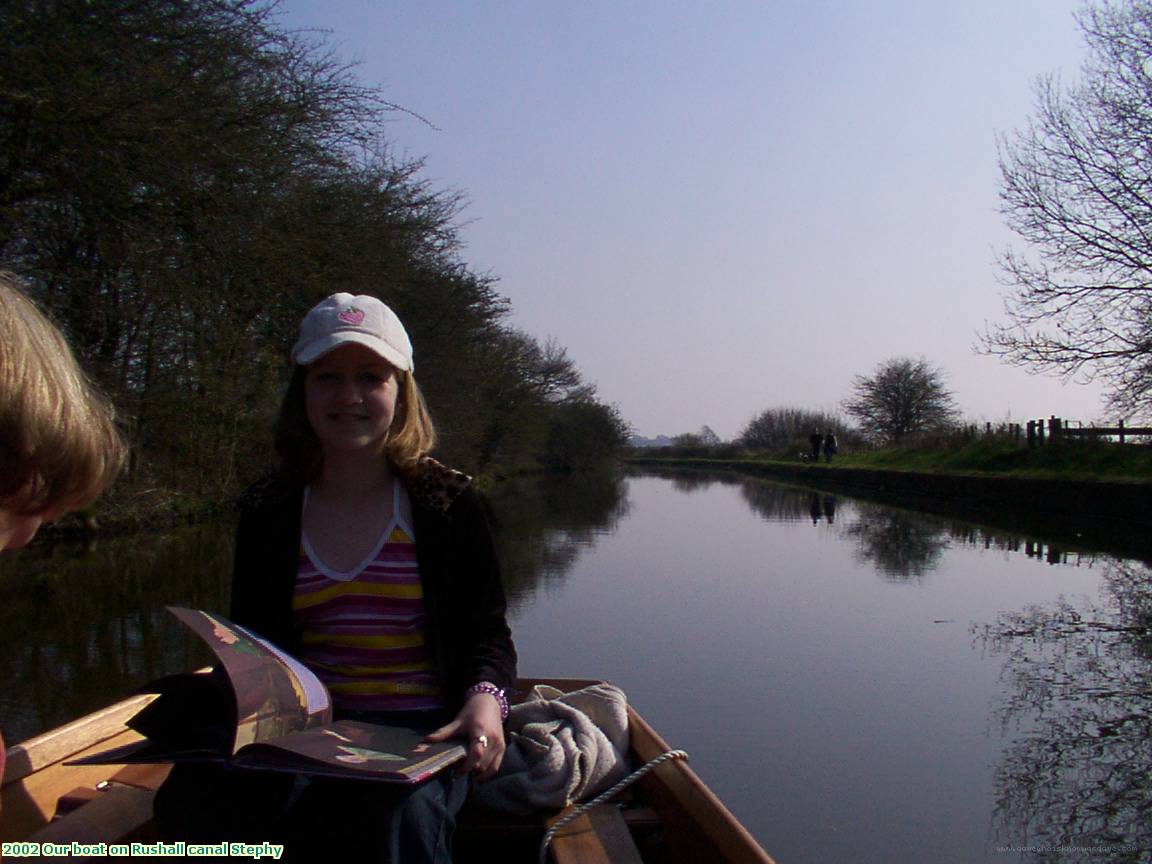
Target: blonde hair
(416, 435)
(59, 445)
(411, 436)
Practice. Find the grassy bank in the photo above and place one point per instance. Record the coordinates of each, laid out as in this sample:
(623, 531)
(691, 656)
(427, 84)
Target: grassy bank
(126, 511)
(1063, 461)
(994, 457)
(1097, 497)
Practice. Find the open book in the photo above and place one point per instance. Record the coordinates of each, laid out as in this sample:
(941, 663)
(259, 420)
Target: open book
(261, 708)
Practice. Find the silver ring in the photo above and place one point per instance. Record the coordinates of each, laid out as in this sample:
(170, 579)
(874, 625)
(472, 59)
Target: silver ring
(482, 740)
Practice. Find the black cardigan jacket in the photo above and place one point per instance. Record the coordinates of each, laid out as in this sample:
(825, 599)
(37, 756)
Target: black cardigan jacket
(463, 595)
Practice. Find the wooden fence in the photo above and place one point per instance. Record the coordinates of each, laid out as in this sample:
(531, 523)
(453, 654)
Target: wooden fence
(1055, 429)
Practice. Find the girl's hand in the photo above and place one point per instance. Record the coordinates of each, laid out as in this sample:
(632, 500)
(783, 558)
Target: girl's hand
(478, 723)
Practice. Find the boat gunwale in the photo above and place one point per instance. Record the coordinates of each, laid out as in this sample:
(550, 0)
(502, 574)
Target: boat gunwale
(54, 746)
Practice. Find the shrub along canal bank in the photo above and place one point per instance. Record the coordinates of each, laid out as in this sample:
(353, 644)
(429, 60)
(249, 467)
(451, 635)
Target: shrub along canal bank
(1114, 516)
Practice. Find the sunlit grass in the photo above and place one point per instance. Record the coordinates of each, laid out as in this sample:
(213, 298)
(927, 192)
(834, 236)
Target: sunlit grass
(1066, 460)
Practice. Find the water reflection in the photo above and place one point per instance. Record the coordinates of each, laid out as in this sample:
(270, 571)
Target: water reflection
(1079, 680)
(82, 626)
(775, 502)
(1076, 781)
(878, 711)
(901, 546)
(828, 508)
(543, 523)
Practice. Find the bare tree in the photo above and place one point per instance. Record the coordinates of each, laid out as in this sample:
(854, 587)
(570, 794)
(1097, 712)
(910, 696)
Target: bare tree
(790, 427)
(902, 397)
(1076, 187)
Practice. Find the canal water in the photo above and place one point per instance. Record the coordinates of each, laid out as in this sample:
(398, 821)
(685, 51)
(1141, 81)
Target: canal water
(856, 682)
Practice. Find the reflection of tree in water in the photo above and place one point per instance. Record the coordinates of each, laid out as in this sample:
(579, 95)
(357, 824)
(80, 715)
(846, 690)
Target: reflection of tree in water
(769, 499)
(85, 626)
(542, 524)
(777, 503)
(1079, 681)
(902, 546)
(689, 483)
(690, 480)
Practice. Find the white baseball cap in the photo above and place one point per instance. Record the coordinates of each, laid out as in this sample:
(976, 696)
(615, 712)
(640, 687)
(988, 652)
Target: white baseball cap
(360, 318)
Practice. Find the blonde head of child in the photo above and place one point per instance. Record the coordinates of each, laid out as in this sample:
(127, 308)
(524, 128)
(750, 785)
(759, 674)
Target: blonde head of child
(59, 445)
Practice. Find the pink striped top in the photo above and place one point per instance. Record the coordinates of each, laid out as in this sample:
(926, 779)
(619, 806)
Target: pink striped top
(363, 631)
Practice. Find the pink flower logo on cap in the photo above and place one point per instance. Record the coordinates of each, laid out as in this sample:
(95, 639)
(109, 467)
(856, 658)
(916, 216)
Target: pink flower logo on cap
(352, 316)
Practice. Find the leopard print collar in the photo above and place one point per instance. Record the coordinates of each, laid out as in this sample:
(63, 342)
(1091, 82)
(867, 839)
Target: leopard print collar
(435, 485)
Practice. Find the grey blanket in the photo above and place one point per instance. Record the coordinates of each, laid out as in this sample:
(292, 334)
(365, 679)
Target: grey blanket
(562, 748)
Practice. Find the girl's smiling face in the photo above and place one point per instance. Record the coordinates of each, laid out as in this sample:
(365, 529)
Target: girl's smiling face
(350, 399)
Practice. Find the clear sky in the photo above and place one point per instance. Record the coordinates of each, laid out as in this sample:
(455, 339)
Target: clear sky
(721, 206)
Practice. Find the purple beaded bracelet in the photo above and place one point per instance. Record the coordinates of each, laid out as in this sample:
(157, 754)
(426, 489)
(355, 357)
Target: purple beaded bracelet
(492, 690)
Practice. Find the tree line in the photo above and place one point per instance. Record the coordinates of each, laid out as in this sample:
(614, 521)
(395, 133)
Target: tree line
(902, 401)
(180, 182)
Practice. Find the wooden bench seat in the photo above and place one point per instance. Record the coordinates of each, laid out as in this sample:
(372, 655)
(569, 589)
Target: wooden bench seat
(599, 836)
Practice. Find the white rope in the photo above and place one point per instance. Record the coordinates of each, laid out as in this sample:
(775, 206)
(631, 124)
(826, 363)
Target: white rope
(604, 796)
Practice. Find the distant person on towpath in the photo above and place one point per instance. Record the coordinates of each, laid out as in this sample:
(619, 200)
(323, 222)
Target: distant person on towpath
(814, 441)
(830, 446)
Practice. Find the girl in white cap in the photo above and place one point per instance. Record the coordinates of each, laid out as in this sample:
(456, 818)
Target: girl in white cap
(374, 564)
